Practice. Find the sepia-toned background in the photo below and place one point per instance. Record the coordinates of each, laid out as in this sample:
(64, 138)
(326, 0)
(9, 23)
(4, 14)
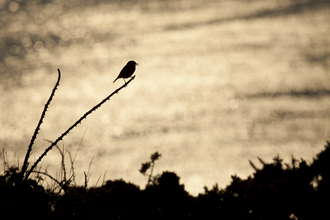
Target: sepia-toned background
(219, 83)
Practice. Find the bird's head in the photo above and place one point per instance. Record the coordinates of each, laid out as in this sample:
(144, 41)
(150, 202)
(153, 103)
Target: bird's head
(132, 63)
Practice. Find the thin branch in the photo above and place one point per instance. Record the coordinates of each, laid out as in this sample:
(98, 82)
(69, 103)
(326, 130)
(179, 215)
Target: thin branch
(34, 136)
(79, 145)
(62, 152)
(5, 160)
(89, 167)
(72, 167)
(86, 181)
(74, 125)
(261, 161)
(64, 186)
(105, 172)
(48, 175)
(62, 159)
(74, 158)
(253, 166)
(151, 171)
(97, 181)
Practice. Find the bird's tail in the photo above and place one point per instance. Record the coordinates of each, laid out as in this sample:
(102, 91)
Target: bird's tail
(115, 80)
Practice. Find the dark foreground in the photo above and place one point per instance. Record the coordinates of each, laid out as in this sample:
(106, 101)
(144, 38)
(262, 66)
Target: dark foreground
(299, 190)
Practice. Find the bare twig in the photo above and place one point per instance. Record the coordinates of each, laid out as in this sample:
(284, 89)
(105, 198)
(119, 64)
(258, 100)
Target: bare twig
(97, 181)
(48, 175)
(34, 136)
(72, 167)
(145, 166)
(5, 160)
(150, 176)
(63, 162)
(86, 181)
(105, 172)
(89, 168)
(72, 160)
(79, 145)
(73, 126)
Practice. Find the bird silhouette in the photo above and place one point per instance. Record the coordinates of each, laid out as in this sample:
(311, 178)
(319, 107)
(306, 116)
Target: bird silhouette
(127, 70)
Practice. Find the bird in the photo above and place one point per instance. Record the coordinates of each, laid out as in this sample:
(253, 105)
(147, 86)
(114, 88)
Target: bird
(127, 70)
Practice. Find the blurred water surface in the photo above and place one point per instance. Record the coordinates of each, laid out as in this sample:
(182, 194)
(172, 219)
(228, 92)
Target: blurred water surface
(219, 83)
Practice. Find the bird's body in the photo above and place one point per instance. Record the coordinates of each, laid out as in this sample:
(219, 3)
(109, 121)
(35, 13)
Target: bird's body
(127, 71)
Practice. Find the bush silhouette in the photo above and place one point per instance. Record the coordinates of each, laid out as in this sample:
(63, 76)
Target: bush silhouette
(116, 199)
(166, 198)
(29, 198)
(275, 191)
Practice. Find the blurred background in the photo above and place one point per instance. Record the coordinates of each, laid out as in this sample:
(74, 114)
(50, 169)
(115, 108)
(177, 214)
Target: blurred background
(219, 82)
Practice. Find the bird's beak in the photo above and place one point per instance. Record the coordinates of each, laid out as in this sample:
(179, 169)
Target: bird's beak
(136, 64)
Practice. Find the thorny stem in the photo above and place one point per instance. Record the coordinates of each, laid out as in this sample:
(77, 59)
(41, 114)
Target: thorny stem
(152, 169)
(74, 125)
(25, 164)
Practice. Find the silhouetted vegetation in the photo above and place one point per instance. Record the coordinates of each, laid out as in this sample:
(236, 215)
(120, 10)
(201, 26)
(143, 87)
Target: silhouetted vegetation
(29, 198)
(276, 190)
(147, 165)
(20, 192)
